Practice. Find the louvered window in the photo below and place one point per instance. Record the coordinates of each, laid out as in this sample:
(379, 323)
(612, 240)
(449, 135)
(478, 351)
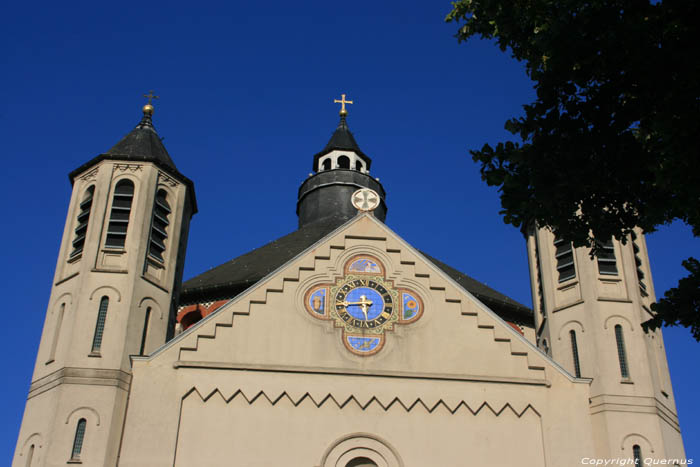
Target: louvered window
(119, 217)
(639, 265)
(606, 258)
(565, 259)
(83, 218)
(100, 326)
(574, 351)
(637, 454)
(78, 441)
(621, 354)
(159, 226)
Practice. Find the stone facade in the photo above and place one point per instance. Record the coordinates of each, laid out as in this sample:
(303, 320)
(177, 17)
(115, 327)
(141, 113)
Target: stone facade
(273, 376)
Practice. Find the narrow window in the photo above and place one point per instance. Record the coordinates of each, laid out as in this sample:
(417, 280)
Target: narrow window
(637, 454)
(540, 291)
(565, 259)
(574, 352)
(638, 263)
(83, 218)
(78, 441)
(606, 258)
(343, 162)
(327, 164)
(358, 165)
(100, 326)
(30, 455)
(159, 226)
(119, 218)
(145, 330)
(56, 333)
(545, 346)
(621, 354)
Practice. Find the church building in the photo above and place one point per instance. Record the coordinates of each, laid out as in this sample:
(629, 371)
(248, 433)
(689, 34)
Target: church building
(337, 345)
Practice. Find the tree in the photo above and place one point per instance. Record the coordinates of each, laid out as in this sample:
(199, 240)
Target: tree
(611, 142)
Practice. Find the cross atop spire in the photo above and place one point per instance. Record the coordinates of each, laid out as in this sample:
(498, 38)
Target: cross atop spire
(342, 103)
(148, 108)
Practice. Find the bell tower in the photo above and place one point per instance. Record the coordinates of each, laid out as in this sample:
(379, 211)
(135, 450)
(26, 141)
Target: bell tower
(588, 315)
(116, 283)
(340, 169)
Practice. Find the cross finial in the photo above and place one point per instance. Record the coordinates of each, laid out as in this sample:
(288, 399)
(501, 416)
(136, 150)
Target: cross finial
(148, 108)
(342, 103)
(150, 96)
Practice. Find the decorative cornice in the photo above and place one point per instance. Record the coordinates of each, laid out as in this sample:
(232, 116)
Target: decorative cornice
(124, 167)
(91, 175)
(167, 180)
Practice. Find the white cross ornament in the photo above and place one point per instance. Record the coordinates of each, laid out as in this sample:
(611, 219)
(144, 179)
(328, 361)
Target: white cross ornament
(365, 200)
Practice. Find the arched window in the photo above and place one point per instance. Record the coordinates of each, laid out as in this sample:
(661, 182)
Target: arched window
(119, 218)
(361, 462)
(100, 326)
(621, 354)
(146, 321)
(358, 165)
(343, 162)
(565, 259)
(637, 454)
(327, 164)
(78, 441)
(83, 218)
(30, 455)
(190, 319)
(606, 258)
(56, 333)
(159, 226)
(574, 351)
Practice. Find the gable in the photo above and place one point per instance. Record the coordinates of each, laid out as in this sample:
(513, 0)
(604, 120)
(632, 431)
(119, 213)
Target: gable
(456, 336)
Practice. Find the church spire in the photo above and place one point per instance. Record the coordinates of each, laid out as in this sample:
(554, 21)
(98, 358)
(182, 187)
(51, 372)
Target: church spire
(340, 169)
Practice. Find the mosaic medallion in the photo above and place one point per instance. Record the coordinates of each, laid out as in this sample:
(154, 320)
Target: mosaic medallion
(364, 304)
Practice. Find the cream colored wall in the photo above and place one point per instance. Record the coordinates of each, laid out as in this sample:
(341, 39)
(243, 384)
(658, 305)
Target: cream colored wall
(592, 305)
(239, 379)
(76, 377)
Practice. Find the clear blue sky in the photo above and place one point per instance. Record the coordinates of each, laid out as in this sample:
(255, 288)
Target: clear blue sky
(246, 100)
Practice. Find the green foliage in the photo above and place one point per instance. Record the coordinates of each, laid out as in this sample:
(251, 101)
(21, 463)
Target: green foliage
(680, 305)
(610, 143)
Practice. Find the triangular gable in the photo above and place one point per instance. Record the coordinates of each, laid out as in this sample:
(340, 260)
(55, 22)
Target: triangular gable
(456, 337)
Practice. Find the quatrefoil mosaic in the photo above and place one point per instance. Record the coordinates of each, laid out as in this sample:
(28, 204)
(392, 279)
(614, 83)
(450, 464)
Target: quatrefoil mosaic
(364, 304)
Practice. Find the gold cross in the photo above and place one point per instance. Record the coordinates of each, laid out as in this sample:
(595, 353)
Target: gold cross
(342, 102)
(150, 96)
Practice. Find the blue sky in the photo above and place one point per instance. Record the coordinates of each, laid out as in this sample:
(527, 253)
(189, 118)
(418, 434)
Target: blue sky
(246, 101)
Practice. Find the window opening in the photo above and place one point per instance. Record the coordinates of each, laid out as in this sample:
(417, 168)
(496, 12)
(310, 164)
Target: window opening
(78, 441)
(545, 346)
(159, 226)
(56, 333)
(361, 462)
(327, 164)
(100, 326)
(343, 162)
(119, 217)
(638, 263)
(574, 351)
(540, 291)
(83, 218)
(358, 165)
(30, 455)
(145, 330)
(637, 454)
(621, 354)
(606, 258)
(564, 255)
